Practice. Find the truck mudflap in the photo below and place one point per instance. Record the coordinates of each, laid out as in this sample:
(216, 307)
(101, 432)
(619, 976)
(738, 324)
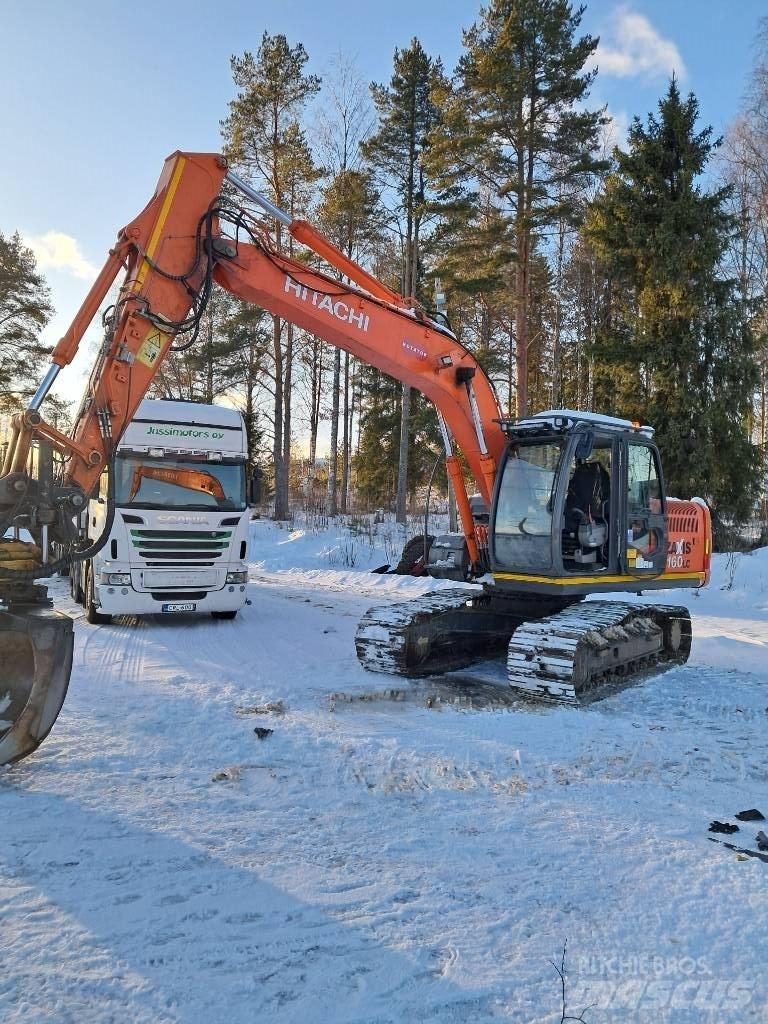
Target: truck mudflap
(36, 648)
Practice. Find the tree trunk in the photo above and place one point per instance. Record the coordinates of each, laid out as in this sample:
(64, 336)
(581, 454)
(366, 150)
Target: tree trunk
(281, 477)
(316, 384)
(209, 358)
(346, 438)
(401, 505)
(313, 418)
(556, 344)
(333, 460)
(521, 329)
(287, 408)
(409, 277)
(249, 424)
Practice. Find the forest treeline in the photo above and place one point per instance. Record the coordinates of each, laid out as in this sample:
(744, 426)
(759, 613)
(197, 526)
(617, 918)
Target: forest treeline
(629, 280)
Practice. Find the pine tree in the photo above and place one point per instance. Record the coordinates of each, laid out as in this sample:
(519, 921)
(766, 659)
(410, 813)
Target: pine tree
(675, 348)
(472, 252)
(516, 125)
(263, 138)
(407, 116)
(25, 309)
(210, 368)
(350, 215)
(344, 123)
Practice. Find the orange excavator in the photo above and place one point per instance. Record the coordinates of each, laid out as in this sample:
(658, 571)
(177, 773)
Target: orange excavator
(567, 504)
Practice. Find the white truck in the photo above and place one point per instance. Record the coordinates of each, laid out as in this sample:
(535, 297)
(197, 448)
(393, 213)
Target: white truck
(179, 537)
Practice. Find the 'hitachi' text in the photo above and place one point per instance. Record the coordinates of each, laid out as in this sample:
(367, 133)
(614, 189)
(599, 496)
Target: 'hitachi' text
(341, 310)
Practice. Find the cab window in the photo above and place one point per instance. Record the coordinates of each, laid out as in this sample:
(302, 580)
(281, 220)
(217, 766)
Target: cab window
(643, 491)
(523, 524)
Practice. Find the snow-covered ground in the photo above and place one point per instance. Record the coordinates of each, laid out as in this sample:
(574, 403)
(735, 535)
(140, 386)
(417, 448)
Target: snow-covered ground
(397, 858)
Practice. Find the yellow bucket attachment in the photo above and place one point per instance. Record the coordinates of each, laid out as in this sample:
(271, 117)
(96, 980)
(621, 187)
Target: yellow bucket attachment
(35, 665)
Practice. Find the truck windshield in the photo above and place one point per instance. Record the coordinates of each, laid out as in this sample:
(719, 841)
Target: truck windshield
(179, 483)
(523, 525)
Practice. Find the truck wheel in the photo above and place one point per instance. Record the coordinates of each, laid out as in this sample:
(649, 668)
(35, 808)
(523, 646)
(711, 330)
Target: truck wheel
(224, 615)
(92, 613)
(74, 583)
(66, 569)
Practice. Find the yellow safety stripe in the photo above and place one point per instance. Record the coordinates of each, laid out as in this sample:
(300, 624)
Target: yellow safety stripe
(521, 578)
(165, 209)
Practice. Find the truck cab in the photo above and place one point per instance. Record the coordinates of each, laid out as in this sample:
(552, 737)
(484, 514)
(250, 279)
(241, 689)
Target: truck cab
(178, 540)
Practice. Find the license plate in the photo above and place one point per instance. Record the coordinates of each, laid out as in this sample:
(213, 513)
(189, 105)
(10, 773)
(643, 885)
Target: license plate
(164, 580)
(180, 606)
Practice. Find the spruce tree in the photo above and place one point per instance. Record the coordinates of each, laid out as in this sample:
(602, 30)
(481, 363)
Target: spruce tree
(210, 368)
(376, 460)
(675, 348)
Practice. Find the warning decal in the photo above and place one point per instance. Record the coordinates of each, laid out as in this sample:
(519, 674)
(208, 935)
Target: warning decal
(151, 348)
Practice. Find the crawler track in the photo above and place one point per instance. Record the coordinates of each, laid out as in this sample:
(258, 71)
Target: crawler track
(565, 656)
(560, 657)
(412, 638)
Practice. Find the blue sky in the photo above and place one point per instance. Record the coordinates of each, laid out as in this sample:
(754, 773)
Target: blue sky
(97, 93)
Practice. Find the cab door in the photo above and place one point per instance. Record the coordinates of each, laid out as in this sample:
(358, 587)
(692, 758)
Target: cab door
(644, 514)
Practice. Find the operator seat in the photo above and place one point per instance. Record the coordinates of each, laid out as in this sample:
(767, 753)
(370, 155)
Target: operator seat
(587, 506)
(589, 492)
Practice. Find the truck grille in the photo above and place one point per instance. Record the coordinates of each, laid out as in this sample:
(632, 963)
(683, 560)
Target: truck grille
(172, 549)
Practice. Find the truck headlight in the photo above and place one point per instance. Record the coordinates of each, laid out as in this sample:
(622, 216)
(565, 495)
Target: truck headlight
(241, 576)
(116, 579)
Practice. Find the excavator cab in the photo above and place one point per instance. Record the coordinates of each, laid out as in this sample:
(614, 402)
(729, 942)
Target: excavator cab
(579, 506)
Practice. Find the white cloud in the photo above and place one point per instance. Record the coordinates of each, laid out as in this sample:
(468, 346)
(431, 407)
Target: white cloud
(57, 251)
(616, 131)
(632, 47)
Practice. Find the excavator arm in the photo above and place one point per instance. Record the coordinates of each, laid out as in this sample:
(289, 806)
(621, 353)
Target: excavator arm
(188, 237)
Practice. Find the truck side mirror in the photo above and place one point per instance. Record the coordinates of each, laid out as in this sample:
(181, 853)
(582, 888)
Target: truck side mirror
(255, 487)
